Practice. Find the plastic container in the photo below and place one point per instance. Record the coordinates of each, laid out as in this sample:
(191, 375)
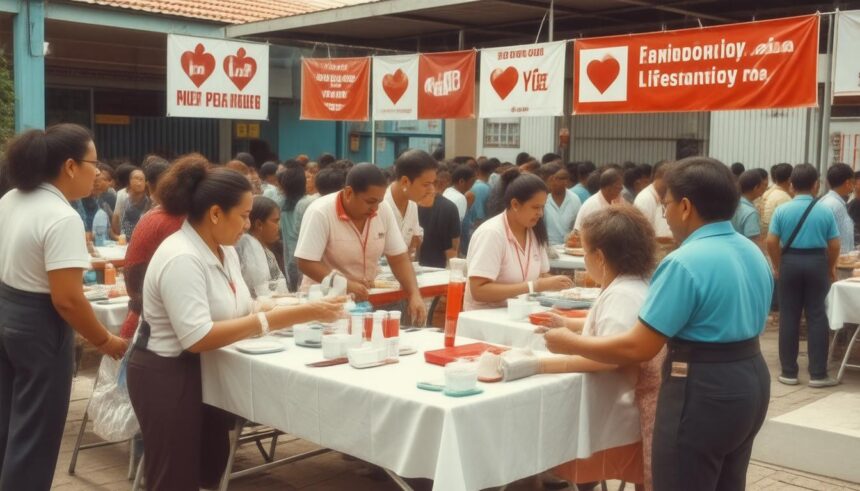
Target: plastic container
(101, 222)
(456, 293)
(110, 274)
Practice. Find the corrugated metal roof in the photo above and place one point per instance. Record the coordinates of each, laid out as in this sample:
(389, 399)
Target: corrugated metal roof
(227, 11)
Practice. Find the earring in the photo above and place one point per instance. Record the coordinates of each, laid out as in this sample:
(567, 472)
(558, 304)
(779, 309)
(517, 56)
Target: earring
(404, 190)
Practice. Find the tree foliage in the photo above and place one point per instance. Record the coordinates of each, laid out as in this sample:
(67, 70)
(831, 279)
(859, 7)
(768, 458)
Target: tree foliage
(7, 100)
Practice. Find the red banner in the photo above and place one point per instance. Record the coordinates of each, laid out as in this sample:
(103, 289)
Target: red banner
(335, 89)
(446, 85)
(754, 65)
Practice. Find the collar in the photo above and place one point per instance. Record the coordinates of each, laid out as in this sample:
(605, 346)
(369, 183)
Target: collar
(803, 197)
(744, 199)
(341, 211)
(710, 230)
(54, 190)
(833, 194)
(203, 250)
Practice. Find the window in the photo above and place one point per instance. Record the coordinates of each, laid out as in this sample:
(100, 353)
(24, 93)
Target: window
(502, 133)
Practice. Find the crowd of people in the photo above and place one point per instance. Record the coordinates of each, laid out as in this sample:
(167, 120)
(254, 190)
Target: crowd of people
(204, 239)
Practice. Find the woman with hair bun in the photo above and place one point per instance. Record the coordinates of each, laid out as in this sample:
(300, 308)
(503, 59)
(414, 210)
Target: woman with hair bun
(194, 300)
(43, 254)
(507, 254)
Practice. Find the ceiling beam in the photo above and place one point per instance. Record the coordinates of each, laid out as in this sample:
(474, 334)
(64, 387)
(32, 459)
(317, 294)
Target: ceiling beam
(678, 10)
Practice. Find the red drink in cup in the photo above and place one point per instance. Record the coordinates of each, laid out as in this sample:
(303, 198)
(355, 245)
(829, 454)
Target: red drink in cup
(456, 292)
(368, 326)
(391, 326)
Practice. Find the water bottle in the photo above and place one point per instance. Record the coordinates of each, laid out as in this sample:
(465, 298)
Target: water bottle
(101, 222)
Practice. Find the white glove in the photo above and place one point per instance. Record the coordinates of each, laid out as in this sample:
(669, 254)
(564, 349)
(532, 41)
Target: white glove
(519, 363)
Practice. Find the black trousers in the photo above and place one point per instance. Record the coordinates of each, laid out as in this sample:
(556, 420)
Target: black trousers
(36, 366)
(803, 286)
(185, 442)
(708, 415)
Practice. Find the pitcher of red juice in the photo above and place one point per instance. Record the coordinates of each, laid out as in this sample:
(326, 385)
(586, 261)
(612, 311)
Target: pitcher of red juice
(456, 292)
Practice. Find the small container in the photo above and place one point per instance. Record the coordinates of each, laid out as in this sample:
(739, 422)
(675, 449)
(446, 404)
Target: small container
(461, 376)
(110, 274)
(391, 329)
(377, 336)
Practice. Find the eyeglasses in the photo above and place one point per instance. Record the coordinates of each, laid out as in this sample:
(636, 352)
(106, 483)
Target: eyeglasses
(664, 203)
(94, 162)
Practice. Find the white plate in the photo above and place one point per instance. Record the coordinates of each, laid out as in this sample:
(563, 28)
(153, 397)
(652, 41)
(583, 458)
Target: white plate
(259, 346)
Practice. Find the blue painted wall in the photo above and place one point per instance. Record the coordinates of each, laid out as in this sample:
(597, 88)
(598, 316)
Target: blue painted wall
(311, 138)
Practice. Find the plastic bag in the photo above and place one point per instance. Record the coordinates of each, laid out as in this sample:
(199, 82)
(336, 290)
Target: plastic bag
(110, 407)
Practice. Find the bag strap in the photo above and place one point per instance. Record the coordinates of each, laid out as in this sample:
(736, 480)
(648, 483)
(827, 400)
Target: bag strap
(799, 224)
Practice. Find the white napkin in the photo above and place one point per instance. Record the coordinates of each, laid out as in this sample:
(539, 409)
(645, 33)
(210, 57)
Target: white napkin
(334, 285)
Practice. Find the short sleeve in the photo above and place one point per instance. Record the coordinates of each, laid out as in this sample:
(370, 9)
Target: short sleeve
(750, 225)
(183, 290)
(671, 300)
(313, 235)
(65, 245)
(775, 226)
(486, 252)
(832, 227)
(394, 244)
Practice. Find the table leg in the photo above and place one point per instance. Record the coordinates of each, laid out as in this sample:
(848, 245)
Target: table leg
(234, 444)
(848, 350)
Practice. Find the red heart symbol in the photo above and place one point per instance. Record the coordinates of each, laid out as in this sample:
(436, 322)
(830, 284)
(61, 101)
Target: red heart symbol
(504, 81)
(395, 85)
(198, 64)
(603, 72)
(240, 68)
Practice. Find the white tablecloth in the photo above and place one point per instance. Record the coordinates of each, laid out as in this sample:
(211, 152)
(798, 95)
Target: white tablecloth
(493, 326)
(566, 261)
(843, 304)
(511, 431)
(112, 253)
(113, 314)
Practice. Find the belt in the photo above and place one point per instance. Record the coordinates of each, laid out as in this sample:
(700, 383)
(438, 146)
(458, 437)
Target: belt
(806, 252)
(697, 352)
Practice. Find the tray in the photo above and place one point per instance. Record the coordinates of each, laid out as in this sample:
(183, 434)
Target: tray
(444, 356)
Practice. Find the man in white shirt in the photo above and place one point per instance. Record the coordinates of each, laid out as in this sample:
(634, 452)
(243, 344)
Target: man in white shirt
(649, 201)
(349, 231)
(840, 178)
(462, 180)
(611, 185)
(415, 174)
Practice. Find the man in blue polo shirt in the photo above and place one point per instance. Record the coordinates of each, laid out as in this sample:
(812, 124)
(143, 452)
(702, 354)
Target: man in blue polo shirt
(803, 243)
(747, 220)
(709, 300)
(840, 178)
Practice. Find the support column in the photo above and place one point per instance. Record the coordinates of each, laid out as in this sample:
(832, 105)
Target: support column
(29, 64)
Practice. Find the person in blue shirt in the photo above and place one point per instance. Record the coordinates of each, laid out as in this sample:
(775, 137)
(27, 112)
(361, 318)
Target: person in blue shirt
(804, 254)
(840, 178)
(716, 386)
(581, 171)
(477, 212)
(562, 204)
(747, 220)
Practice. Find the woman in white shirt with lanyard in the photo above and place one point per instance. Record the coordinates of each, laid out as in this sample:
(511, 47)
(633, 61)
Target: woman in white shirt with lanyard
(194, 300)
(43, 255)
(507, 254)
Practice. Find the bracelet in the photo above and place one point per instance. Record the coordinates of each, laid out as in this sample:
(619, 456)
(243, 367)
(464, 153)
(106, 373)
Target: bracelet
(264, 323)
(531, 287)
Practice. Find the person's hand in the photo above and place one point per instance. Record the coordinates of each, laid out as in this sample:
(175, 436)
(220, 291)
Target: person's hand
(555, 320)
(561, 340)
(115, 347)
(553, 283)
(417, 310)
(361, 290)
(327, 310)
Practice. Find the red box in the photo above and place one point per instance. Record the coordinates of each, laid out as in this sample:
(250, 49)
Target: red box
(446, 355)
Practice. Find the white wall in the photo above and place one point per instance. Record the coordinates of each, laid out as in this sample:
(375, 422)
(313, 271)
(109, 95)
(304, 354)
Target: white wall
(537, 137)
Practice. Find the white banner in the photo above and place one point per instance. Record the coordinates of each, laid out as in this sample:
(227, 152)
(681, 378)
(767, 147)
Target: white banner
(395, 87)
(523, 80)
(846, 57)
(214, 78)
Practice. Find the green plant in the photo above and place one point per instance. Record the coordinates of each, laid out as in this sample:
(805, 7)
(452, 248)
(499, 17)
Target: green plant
(7, 100)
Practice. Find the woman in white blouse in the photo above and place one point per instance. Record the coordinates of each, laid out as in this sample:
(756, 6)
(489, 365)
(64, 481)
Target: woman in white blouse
(259, 265)
(620, 249)
(195, 300)
(507, 254)
(43, 255)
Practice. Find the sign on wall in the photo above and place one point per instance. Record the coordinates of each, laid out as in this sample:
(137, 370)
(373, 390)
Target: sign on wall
(335, 89)
(395, 87)
(846, 56)
(754, 65)
(446, 85)
(215, 78)
(523, 80)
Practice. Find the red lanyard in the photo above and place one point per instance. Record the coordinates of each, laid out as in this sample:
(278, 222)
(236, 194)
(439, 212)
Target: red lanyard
(363, 243)
(523, 270)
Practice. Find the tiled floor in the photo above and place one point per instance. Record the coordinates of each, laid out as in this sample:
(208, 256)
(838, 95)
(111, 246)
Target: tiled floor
(106, 468)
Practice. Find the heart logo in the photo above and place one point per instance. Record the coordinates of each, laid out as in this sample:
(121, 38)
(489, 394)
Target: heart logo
(504, 81)
(395, 84)
(240, 68)
(603, 72)
(198, 64)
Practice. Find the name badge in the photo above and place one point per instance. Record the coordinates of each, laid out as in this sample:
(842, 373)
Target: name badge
(679, 369)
